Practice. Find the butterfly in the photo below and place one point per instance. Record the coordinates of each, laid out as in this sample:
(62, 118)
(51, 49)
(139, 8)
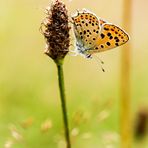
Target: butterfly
(95, 35)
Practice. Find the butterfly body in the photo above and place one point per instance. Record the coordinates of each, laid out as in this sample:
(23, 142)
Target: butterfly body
(95, 35)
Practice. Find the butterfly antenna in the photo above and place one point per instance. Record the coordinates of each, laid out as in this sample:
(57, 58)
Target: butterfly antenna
(100, 62)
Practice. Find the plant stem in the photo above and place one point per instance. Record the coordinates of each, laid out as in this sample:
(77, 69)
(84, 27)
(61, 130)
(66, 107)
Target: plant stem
(59, 64)
(126, 125)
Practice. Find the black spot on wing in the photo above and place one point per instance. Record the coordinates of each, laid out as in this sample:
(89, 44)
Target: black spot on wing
(108, 34)
(116, 44)
(105, 28)
(108, 43)
(102, 35)
(102, 46)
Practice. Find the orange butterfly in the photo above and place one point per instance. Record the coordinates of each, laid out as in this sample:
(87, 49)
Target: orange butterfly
(95, 35)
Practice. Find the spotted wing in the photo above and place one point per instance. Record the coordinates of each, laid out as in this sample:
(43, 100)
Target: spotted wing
(86, 28)
(110, 36)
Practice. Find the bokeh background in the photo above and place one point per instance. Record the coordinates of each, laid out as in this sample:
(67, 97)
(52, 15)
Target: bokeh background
(30, 111)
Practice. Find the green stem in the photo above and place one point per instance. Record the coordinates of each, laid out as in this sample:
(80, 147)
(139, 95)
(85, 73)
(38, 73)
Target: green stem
(59, 64)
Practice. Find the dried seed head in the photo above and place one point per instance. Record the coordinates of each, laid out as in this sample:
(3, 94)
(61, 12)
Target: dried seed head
(55, 29)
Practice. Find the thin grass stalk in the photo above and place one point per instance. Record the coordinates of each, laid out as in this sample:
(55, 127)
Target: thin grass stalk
(126, 126)
(59, 64)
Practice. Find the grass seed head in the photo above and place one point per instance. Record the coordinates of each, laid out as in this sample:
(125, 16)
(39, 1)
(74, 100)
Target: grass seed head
(55, 29)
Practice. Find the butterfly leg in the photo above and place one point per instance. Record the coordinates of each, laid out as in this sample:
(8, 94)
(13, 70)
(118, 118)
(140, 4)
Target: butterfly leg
(88, 56)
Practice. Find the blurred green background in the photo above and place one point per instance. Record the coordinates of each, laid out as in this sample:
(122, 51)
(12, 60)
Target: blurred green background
(30, 111)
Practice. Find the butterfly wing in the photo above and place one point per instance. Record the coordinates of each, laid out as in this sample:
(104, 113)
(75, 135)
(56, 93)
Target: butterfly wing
(110, 36)
(86, 28)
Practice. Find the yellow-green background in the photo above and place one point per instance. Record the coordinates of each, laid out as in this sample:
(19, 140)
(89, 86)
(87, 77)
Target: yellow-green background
(28, 78)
